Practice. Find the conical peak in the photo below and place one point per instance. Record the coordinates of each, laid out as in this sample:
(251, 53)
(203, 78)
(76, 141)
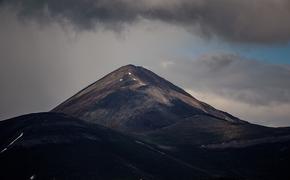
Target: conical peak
(122, 76)
(134, 92)
(143, 76)
(129, 70)
(129, 66)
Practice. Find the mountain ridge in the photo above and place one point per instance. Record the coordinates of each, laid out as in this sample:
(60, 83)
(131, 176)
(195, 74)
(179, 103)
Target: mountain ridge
(154, 96)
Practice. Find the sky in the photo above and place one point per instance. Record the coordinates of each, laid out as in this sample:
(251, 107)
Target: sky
(232, 54)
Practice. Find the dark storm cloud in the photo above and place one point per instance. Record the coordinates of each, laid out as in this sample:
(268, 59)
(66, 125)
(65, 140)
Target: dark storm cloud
(232, 76)
(250, 21)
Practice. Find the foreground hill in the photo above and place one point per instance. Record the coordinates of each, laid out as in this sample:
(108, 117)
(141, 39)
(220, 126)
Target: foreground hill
(56, 146)
(243, 151)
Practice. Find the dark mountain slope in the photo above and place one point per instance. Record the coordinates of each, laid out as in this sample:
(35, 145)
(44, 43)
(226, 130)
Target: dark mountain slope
(55, 146)
(226, 149)
(202, 130)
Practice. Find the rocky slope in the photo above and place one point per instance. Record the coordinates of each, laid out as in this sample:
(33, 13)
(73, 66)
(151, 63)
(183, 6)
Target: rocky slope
(134, 99)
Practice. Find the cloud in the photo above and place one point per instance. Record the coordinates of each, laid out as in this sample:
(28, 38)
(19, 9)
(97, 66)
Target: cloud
(234, 77)
(275, 116)
(247, 21)
(252, 90)
(41, 67)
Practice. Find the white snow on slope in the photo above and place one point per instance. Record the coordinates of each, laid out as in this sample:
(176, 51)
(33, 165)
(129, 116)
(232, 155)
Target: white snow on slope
(32, 177)
(12, 142)
(3, 150)
(149, 147)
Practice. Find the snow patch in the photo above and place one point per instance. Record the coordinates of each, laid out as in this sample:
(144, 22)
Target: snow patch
(129, 73)
(32, 177)
(121, 80)
(15, 139)
(3, 150)
(149, 147)
(11, 143)
(139, 142)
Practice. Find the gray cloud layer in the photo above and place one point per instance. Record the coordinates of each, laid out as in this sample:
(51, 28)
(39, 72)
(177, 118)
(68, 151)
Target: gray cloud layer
(234, 77)
(249, 21)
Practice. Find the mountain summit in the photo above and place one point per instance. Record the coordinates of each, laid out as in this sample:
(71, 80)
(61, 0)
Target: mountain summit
(134, 99)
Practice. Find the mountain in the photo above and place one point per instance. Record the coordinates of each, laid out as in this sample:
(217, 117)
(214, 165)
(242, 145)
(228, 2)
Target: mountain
(56, 146)
(134, 99)
(139, 103)
(133, 124)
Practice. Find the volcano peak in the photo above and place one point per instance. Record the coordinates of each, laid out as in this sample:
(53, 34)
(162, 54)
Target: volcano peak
(135, 99)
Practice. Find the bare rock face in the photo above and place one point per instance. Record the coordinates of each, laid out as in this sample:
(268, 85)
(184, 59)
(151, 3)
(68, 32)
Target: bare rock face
(134, 99)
